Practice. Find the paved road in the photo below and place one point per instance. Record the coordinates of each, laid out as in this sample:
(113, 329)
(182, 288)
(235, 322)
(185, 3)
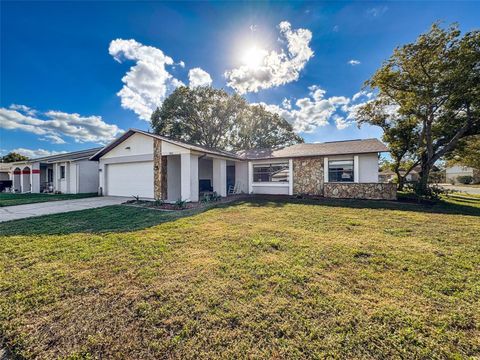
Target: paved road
(465, 189)
(8, 213)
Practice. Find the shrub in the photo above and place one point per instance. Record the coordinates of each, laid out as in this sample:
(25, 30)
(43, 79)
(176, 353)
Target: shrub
(465, 179)
(158, 202)
(181, 204)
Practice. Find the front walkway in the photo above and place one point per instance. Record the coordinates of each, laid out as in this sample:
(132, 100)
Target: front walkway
(54, 207)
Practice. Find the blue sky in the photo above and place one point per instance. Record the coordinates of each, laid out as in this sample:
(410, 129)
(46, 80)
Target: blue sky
(62, 63)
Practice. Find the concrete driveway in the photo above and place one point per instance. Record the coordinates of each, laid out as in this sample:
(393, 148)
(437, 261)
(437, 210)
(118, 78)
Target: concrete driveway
(465, 189)
(8, 213)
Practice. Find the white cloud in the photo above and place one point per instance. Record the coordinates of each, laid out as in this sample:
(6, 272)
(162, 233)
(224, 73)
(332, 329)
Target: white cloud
(354, 62)
(317, 110)
(377, 11)
(340, 122)
(53, 138)
(23, 109)
(35, 153)
(276, 68)
(199, 77)
(54, 125)
(362, 93)
(148, 82)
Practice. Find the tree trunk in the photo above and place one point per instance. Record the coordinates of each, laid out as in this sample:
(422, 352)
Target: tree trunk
(400, 179)
(424, 175)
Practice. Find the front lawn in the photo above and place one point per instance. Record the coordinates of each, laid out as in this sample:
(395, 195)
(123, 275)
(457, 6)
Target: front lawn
(9, 199)
(253, 279)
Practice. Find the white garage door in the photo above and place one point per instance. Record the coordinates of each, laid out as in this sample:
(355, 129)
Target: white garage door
(130, 179)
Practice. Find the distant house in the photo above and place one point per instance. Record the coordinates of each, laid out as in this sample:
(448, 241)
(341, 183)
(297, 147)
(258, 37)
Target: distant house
(4, 171)
(389, 175)
(68, 173)
(453, 172)
(156, 167)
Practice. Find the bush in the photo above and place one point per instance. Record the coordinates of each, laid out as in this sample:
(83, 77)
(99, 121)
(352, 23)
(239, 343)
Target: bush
(181, 204)
(466, 179)
(433, 192)
(210, 197)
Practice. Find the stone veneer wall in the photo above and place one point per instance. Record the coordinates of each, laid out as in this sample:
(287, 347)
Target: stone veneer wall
(308, 175)
(375, 191)
(159, 171)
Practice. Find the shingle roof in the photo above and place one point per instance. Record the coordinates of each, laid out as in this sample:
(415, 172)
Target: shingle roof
(320, 149)
(298, 150)
(70, 156)
(183, 144)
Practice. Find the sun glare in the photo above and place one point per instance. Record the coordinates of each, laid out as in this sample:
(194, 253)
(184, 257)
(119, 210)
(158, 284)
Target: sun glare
(253, 57)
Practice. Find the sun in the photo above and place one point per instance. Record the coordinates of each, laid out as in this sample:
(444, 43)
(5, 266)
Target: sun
(253, 57)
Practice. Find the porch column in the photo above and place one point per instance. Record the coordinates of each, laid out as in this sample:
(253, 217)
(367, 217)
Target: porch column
(185, 173)
(56, 177)
(35, 177)
(21, 181)
(158, 169)
(220, 176)
(194, 178)
(14, 184)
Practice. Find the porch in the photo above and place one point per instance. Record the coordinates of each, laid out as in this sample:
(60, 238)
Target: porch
(189, 177)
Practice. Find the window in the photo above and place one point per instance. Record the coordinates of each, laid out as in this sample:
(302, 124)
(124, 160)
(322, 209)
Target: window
(340, 171)
(270, 173)
(62, 172)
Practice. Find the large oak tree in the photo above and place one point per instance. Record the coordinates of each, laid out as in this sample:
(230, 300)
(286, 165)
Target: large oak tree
(428, 95)
(212, 117)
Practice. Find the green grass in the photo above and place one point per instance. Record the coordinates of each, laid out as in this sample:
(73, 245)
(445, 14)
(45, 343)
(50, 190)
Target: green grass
(7, 199)
(253, 279)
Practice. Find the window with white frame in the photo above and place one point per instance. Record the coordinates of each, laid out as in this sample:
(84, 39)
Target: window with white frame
(340, 171)
(273, 173)
(62, 172)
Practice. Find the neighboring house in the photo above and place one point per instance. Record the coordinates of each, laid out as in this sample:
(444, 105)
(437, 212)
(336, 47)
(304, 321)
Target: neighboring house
(68, 173)
(5, 171)
(5, 182)
(389, 175)
(156, 167)
(454, 171)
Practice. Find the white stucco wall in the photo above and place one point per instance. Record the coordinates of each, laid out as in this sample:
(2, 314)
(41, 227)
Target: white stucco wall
(138, 144)
(193, 178)
(172, 149)
(368, 168)
(268, 189)
(173, 178)
(241, 176)
(88, 176)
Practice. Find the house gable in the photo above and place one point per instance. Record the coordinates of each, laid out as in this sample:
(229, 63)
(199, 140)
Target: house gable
(136, 144)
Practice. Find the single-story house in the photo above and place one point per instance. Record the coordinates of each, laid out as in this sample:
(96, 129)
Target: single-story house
(389, 175)
(454, 171)
(151, 166)
(5, 182)
(5, 171)
(68, 173)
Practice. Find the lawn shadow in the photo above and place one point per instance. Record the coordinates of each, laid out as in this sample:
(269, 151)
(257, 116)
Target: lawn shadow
(123, 218)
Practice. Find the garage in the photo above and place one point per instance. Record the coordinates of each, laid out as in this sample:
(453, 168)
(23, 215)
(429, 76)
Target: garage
(130, 179)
